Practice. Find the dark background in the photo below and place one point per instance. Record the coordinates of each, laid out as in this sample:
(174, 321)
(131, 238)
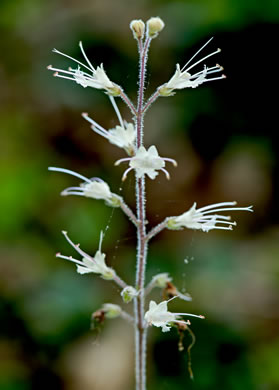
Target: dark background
(224, 137)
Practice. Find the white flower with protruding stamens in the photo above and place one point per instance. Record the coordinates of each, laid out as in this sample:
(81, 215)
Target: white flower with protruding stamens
(146, 162)
(91, 188)
(159, 316)
(122, 136)
(202, 218)
(90, 264)
(183, 79)
(97, 78)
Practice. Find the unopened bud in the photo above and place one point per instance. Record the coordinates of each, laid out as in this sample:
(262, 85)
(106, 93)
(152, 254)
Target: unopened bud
(128, 294)
(137, 27)
(161, 280)
(154, 26)
(111, 311)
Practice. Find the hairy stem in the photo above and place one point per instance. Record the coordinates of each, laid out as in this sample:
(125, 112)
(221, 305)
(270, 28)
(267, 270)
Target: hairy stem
(140, 329)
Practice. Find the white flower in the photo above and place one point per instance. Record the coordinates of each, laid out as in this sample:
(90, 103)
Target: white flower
(97, 78)
(122, 136)
(91, 188)
(159, 316)
(129, 293)
(90, 264)
(183, 79)
(146, 162)
(202, 218)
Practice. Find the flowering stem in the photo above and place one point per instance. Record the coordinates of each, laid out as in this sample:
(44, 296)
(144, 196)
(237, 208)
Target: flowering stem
(140, 329)
(150, 101)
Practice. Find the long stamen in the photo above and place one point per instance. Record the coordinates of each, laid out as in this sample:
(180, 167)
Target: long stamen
(65, 193)
(56, 74)
(212, 206)
(50, 67)
(122, 160)
(71, 58)
(85, 56)
(69, 258)
(230, 209)
(166, 173)
(95, 126)
(223, 227)
(206, 221)
(189, 314)
(116, 111)
(76, 246)
(170, 160)
(196, 54)
(225, 217)
(101, 240)
(204, 58)
(124, 177)
(211, 70)
(74, 188)
(216, 78)
(68, 171)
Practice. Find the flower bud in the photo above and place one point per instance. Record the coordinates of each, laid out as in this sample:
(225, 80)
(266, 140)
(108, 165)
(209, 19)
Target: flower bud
(137, 27)
(128, 294)
(154, 26)
(111, 311)
(161, 280)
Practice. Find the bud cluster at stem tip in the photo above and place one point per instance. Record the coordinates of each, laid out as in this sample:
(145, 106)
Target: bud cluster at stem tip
(154, 26)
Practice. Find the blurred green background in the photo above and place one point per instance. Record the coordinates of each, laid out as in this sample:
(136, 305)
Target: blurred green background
(224, 137)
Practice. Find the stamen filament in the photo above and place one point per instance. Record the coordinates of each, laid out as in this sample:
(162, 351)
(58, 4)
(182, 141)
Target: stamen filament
(76, 247)
(71, 58)
(70, 258)
(212, 206)
(204, 58)
(122, 160)
(229, 209)
(116, 111)
(70, 173)
(196, 54)
(85, 56)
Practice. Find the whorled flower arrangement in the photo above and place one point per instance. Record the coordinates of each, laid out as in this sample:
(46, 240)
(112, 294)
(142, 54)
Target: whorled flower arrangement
(144, 162)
